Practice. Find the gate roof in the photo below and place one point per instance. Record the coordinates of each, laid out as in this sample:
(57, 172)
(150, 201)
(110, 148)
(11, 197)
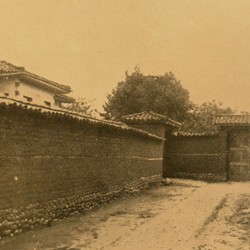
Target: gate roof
(149, 117)
(232, 120)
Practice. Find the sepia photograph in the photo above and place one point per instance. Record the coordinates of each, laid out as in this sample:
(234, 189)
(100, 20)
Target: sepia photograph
(125, 125)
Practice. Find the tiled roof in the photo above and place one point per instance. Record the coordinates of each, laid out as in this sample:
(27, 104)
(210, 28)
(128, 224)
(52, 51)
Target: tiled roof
(219, 120)
(209, 132)
(8, 102)
(10, 69)
(232, 120)
(149, 117)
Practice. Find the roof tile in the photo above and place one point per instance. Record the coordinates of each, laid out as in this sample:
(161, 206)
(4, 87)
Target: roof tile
(8, 102)
(149, 117)
(232, 120)
(208, 132)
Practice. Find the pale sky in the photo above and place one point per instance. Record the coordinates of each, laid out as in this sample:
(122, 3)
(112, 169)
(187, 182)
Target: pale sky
(89, 44)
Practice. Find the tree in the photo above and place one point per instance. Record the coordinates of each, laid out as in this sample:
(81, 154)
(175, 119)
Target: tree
(161, 94)
(200, 117)
(81, 106)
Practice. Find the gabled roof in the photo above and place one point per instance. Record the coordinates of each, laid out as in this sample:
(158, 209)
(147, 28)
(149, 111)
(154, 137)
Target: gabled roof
(8, 69)
(149, 117)
(232, 120)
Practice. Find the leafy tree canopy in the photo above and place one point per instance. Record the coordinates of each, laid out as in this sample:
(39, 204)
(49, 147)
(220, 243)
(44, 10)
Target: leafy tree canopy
(200, 117)
(161, 94)
(81, 106)
(164, 95)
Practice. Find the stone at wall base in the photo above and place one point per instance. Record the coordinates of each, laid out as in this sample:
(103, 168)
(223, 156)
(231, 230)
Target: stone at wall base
(17, 220)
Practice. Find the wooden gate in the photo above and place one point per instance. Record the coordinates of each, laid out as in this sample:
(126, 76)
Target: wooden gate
(239, 156)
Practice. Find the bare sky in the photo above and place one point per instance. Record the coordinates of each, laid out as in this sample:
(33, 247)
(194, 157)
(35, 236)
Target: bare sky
(89, 44)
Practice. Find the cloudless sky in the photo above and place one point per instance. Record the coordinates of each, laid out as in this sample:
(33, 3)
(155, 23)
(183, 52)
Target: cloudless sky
(89, 44)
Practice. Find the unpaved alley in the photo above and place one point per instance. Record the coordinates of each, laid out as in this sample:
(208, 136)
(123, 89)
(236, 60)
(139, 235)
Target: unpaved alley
(180, 215)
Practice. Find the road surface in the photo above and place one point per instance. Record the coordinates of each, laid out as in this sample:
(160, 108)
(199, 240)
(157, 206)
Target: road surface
(183, 215)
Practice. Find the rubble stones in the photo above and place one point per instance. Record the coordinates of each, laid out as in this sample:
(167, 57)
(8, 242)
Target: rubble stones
(17, 220)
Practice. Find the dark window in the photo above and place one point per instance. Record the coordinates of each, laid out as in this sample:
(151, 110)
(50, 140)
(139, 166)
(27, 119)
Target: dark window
(6, 94)
(29, 99)
(17, 92)
(17, 84)
(47, 104)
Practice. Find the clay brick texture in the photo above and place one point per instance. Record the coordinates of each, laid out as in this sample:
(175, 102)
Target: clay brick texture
(196, 157)
(44, 157)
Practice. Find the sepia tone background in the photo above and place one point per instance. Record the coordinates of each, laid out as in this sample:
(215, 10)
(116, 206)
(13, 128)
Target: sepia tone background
(54, 166)
(89, 44)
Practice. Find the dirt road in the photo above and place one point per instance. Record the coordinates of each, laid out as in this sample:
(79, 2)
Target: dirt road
(184, 215)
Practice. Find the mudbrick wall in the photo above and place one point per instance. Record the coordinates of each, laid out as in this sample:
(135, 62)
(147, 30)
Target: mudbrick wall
(196, 157)
(52, 166)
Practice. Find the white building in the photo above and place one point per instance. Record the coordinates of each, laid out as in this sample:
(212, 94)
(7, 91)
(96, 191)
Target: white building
(18, 84)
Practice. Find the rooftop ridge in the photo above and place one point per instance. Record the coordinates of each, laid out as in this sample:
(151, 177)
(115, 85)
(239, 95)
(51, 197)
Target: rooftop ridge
(232, 120)
(190, 134)
(12, 65)
(145, 112)
(232, 115)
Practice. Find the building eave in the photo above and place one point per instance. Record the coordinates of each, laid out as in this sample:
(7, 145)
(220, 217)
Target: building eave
(10, 74)
(64, 98)
(43, 83)
(9, 70)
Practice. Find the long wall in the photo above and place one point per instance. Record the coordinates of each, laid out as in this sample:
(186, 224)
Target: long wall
(196, 157)
(52, 166)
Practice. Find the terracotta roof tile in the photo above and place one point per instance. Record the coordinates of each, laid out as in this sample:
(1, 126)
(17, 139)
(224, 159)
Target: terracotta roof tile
(209, 132)
(232, 120)
(9, 69)
(149, 117)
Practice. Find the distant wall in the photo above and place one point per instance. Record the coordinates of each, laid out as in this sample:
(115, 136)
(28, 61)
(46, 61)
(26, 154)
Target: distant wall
(51, 163)
(196, 157)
